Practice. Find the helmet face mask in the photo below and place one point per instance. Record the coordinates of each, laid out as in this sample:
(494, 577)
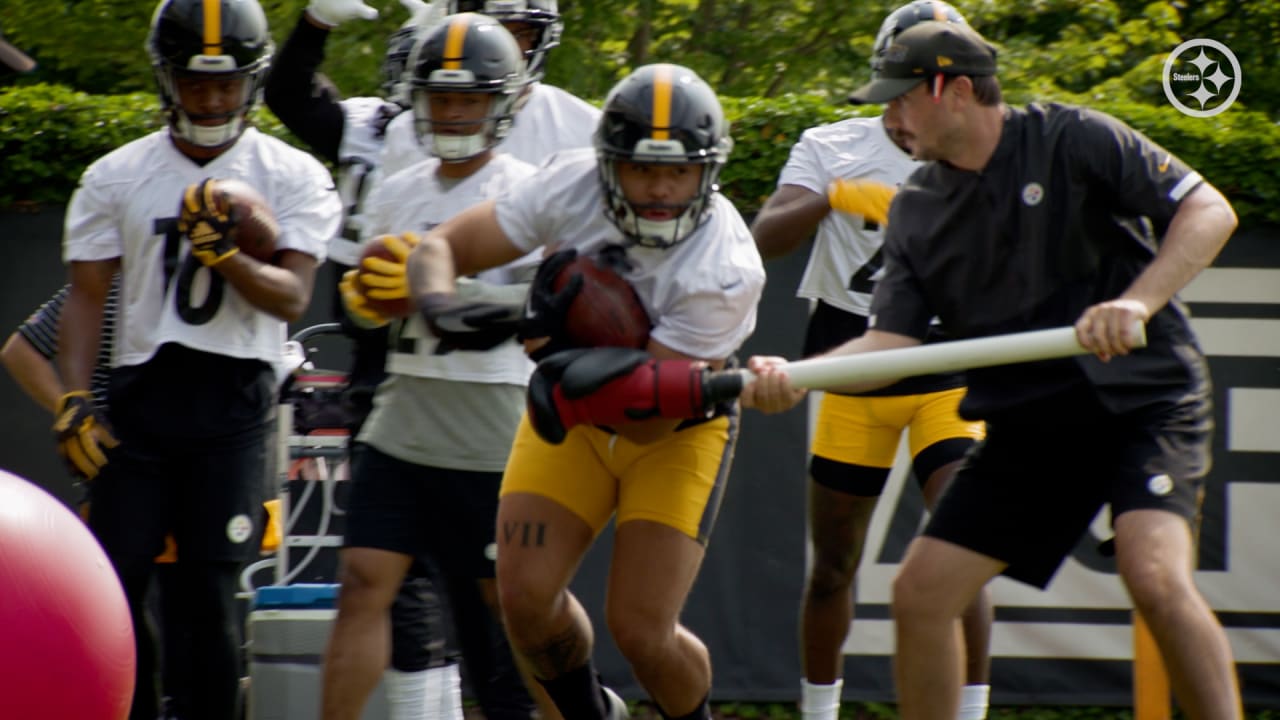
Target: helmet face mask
(185, 63)
(467, 53)
(542, 15)
(661, 115)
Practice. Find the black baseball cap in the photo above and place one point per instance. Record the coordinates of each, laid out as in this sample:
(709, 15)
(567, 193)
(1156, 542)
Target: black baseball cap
(921, 51)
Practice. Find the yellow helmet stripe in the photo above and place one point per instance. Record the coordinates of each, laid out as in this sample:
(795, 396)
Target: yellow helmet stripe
(453, 42)
(662, 103)
(212, 27)
(939, 12)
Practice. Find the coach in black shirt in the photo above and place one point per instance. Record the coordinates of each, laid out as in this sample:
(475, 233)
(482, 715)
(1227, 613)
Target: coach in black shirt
(1026, 219)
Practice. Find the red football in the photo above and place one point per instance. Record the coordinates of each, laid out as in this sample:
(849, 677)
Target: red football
(256, 229)
(606, 312)
(397, 308)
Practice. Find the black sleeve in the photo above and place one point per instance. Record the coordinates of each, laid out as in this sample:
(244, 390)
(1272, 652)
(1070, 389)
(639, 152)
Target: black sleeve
(1141, 177)
(304, 100)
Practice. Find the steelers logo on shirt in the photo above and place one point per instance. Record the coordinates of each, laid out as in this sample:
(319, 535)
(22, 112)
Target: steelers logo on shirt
(1032, 194)
(239, 528)
(1160, 485)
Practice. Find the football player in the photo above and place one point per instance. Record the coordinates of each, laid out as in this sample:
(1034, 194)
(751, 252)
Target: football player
(846, 167)
(349, 133)
(648, 196)
(425, 483)
(29, 356)
(183, 447)
(549, 119)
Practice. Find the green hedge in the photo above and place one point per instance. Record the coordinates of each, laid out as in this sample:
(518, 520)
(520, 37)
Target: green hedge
(48, 134)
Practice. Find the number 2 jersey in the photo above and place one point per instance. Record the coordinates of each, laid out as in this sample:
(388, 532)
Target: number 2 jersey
(126, 207)
(845, 260)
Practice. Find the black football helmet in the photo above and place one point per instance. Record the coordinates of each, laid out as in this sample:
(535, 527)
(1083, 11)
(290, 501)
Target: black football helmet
(661, 114)
(467, 53)
(399, 46)
(906, 16)
(209, 38)
(543, 14)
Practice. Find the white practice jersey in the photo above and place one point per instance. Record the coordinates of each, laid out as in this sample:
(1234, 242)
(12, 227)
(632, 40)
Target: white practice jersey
(127, 206)
(550, 121)
(845, 260)
(416, 199)
(364, 129)
(700, 294)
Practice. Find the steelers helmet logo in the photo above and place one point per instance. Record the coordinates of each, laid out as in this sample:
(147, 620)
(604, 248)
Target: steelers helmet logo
(1032, 194)
(1160, 485)
(239, 528)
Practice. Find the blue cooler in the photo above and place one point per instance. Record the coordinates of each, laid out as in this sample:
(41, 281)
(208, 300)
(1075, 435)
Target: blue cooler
(288, 629)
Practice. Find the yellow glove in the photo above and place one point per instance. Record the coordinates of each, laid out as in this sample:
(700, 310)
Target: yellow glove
(867, 198)
(357, 304)
(81, 433)
(383, 271)
(203, 219)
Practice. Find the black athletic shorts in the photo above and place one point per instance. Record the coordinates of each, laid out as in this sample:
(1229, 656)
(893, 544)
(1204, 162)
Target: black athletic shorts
(207, 492)
(446, 515)
(1029, 491)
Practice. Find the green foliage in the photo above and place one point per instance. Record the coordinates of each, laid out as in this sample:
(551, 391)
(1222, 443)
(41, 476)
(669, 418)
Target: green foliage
(764, 131)
(49, 134)
(100, 45)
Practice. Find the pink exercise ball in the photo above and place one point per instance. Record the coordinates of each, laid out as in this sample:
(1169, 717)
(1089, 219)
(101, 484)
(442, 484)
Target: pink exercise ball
(66, 640)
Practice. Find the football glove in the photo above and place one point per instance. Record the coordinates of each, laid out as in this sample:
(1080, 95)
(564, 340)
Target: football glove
(425, 15)
(467, 325)
(81, 433)
(205, 224)
(868, 198)
(357, 305)
(387, 279)
(336, 12)
(545, 308)
(607, 386)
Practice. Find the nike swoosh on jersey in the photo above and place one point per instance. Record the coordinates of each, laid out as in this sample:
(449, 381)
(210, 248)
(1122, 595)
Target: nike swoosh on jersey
(1164, 164)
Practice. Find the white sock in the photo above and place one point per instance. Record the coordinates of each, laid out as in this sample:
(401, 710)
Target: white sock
(973, 702)
(820, 702)
(434, 694)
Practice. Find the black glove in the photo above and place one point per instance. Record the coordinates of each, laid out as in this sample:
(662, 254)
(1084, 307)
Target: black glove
(81, 432)
(208, 227)
(545, 309)
(467, 326)
(607, 386)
